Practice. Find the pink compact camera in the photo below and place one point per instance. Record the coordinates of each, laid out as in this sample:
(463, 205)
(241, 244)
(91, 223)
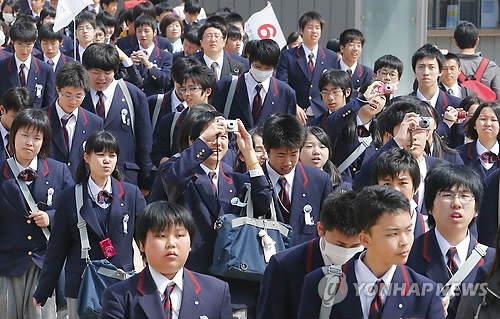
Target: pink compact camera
(387, 89)
(107, 248)
(461, 114)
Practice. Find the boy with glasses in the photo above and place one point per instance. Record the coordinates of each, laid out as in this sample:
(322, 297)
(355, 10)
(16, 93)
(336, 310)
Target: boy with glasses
(85, 34)
(388, 69)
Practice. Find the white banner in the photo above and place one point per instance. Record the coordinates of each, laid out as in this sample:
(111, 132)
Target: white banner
(265, 25)
(67, 10)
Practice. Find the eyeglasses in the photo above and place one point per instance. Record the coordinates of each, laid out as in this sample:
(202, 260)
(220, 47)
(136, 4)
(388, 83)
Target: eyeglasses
(392, 74)
(71, 97)
(330, 93)
(189, 90)
(464, 198)
(85, 28)
(211, 36)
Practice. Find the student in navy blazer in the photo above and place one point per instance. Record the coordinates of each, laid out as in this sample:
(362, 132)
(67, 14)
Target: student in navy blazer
(483, 153)
(130, 41)
(135, 138)
(85, 34)
(4, 54)
(37, 76)
(432, 254)
(294, 67)
(338, 242)
(25, 242)
(110, 209)
(254, 106)
(71, 124)
(189, 294)
(50, 42)
(153, 64)
(487, 220)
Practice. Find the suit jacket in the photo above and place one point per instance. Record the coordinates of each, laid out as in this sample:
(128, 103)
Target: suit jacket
(465, 91)
(471, 158)
(279, 296)
(319, 121)
(444, 100)
(40, 81)
(361, 75)
(310, 187)
(63, 59)
(279, 99)
(292, 68)
(130, 41)
(137, 297)
(4, 54)
(406, 303)
(231, 65)
(487, 219)
(135, 146)
(156, 81)
(65, 243)
(426, 259)
(23, 241)
(166, 105)
(86, 124)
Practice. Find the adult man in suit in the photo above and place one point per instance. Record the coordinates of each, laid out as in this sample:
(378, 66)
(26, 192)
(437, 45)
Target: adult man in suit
(449, 78)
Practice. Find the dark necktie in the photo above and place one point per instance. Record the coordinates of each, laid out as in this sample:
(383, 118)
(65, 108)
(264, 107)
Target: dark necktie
(8, 149)
(310, 63)
(50, 62)
(99, 108)
(376, 305)
(363, 131)
(489, 157)
(257, 103)
(180, 107)
(214, 68)
(64, 122)
(349, 71)
(103, 197)
(452, 264)
(28, 175)
(167, 302)
(211, 176)
(283, 194)
(450, 92)
(22, 77)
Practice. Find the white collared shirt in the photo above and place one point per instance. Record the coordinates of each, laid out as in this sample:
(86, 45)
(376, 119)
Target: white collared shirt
(481, 149)
(71, 125)
(108, 93)
(94, 190)
(344, 66)
(162, 282)
(462, 248)
(175, 101)
(55, 59)
(422, 165)
(33, 165)
(251, 84)
(27, 66)
(366, 279)
(367, 126)
(433, 99)
(307, 51)
(207, 170)
(80, 52)
(274, 177)
(456, 89)
(219, 60)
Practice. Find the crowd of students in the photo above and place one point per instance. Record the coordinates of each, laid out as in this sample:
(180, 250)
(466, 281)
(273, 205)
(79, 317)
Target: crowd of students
(397, 188)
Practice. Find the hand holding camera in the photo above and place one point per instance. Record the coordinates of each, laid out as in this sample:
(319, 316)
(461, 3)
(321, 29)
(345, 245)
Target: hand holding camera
(410, 122)
(216, 128)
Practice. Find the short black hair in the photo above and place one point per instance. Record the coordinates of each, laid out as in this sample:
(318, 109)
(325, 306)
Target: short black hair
(427, 51)
(168, 20)
(17, 99)
(47, 12)
(394, 162)
(265, 51)
(101, 56)
(310, 16)
(14, 4)
(452, 56)
(389, 61)
(466, 35)
(469, 127)
(161, 215)
(72, 74)
(107, 19)
(108, 2)
(23, 31)
(292, 37)
(143, 8)
(47, 33)
(145, 20)
(199, 123)
(233, 32)
(162, 7)
(216, 25)
(468, 101)
(84, 17)
(32, 119)
(234, 17)
(446, 175)
(180, 66)
(184, 130)
(334, 45)
(99, 141)
(374, 201)
(337, 78)
(337, 213)
(192, 33)
(202, 75)
(350, 35)
(283, 129)
(192, 6)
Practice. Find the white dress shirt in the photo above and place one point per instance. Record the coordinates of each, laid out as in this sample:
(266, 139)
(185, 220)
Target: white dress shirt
(274, 177)
(481, 149)
(462, 248)
(108, 94)
(251, 84)
(220, 62)
(71, 125)
(27, 66)
(55, 59)
(94, 190)
(162, 282)
(433, 99)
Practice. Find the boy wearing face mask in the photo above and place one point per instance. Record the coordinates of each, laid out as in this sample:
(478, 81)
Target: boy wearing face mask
(258, 93)
(338, 242)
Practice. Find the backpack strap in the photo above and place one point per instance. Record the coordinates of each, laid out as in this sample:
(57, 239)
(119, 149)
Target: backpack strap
(367, 141)
(156, 111)
(130, 105)
(481, 69)
(230, 95)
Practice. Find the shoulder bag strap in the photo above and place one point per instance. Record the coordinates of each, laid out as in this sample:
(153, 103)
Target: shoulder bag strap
(156, 111)
(82, 224)
(128, 98)
(230, 95)
(333, 275)
(357, 153)
(172, 127)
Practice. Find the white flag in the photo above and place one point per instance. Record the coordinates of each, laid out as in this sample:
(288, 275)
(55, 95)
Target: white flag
(67, 10)
(265, 25)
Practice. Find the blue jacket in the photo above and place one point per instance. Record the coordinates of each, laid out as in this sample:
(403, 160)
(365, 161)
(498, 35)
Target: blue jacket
(137, 297)
(444, 100)
(361, 75)
(65, 243)
(4, 54)
(86, 124)
(487, 220)
(292, 68)
(161, 136)
(63, 59)
(23, 241)
(279, 99)
(472, 159)
(130, 41)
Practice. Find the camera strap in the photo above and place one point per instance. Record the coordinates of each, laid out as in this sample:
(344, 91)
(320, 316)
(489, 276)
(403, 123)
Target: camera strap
(367, 141)
(82, 224)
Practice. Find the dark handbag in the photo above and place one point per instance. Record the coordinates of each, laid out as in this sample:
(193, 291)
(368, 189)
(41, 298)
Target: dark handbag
(245, 244)
(98, 275)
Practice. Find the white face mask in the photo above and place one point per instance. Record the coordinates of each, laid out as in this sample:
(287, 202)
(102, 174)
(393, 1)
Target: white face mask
(8, 17)
(2, 38)
(259, 75)
(339, 255)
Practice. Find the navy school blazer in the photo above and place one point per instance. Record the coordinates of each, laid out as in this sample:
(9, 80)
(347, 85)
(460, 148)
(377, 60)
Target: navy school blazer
(135, 147)
(292, 68)
(4, 54)
(137, 297)
(63, 59)
(361, 75)
(404, 304)
(65, 244)
(23, 241)
(487, 220)
(444, 100)
(161, 135)
(279, 99)
(129, 41)
(468, 153)
(86, 124)
(40, 81)
(283, 279)
(166, 104)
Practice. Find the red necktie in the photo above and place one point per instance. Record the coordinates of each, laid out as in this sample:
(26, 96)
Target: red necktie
(489, 157)
(452, 264)
(22, 77)
(211, 176)
(180, 107)
(28, 175)
(363, 131)
(257, 103)
(50, 62)
(64, 122)
(167, 302)
(376, 305)
(103, 197)
(283, 194)
(99, 108)
(311, 63)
